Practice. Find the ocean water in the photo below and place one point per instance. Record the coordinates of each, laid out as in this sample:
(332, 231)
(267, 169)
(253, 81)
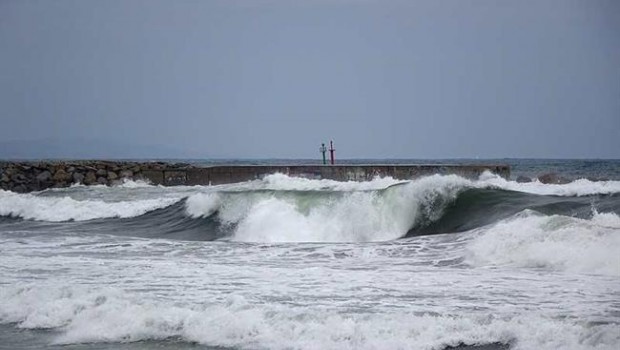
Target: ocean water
(440, 262)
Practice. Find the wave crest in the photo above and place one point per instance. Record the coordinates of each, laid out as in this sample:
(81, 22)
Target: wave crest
(110, 315)
(329, 216)
(579, 187)
(55, 209)
(558, 242)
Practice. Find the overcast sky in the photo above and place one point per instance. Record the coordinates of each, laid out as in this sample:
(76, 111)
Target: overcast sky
(274, 79)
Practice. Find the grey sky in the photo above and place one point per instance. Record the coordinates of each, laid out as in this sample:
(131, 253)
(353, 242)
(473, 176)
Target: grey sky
(265, 79)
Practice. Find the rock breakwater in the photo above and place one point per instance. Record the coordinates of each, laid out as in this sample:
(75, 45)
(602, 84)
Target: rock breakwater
(36, 176)
(24, 177)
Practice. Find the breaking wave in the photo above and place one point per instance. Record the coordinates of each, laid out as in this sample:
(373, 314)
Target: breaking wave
(557, 242)
(327, 216)
(284, 209)
(56, 209)
(111, 315)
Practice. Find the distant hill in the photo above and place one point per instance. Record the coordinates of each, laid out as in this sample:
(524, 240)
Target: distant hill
(88, 149)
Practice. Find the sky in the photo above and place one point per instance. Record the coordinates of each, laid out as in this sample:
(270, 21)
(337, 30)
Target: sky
(275, 78)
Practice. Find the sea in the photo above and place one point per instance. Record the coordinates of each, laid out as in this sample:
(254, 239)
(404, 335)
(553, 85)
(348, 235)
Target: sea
(439, 262)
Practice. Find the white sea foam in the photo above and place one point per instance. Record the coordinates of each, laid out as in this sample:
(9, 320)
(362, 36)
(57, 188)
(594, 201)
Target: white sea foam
(557, 242)
(359, 213)
(351, 216)
(389, 295)
(28, 206)
(287, 183)
(202, 204)
(110, 315)
(386, 206)
(128, 183)
(580, 187)
(123, 183)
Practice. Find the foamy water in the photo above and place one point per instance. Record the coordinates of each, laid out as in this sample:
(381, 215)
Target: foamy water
(545, 274)
(554, 242)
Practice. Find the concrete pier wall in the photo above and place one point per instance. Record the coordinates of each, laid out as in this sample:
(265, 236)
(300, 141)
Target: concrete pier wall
(229, 174)
(36, 176)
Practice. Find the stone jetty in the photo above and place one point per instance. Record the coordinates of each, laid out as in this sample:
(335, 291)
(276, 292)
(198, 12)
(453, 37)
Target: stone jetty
(35, 176)
(24, 177)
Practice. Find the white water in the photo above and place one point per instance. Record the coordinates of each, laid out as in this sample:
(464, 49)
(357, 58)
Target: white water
(579, 187)
(534, 281)
(55, 209)
(91, 202)
(413, 293)
(108, 315)
(552, 242)
(350, 216)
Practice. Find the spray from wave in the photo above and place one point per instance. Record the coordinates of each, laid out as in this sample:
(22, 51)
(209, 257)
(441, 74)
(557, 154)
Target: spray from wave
(56, 209)
(579, 187)
(111, 315)
(279, 208)
(328, 216)
(530, 239)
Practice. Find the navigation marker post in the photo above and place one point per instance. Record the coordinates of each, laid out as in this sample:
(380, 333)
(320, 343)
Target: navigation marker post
(331, 152)
(323, 149)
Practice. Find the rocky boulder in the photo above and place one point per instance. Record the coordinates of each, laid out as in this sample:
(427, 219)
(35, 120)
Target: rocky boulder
(126, 174)
(19, 178)
(20, 188)
(45, 176)
(523, 179)
(90, 178)
(78, 178)
(61, 176)
(553, 179)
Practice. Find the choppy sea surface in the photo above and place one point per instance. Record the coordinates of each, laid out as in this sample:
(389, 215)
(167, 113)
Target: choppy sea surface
(439, 262)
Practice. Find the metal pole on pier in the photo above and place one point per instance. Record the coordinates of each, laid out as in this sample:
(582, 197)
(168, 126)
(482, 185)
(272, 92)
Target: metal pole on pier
(323, 149)
(331, 152)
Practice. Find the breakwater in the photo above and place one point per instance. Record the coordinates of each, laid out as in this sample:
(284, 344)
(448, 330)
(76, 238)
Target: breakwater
(35, 176)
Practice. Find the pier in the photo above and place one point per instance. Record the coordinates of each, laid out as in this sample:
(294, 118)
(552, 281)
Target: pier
(223, 174)
(35, 176)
